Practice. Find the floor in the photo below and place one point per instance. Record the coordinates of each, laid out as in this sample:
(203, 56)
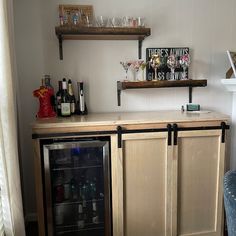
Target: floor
(32, 229)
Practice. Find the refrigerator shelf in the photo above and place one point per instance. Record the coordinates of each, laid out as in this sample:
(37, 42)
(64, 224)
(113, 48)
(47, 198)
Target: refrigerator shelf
(76, 202)
(76, 168)
(74, 228)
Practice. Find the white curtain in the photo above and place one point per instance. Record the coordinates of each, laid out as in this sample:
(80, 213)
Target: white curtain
(9, 164)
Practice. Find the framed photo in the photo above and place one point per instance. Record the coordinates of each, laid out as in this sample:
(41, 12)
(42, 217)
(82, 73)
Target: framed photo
(164, 72)
(232, 59)
(81, 15)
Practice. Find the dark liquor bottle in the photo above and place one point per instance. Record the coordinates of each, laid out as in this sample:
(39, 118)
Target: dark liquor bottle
(72, 97)
(81, 105)
(65, 100)
(58, 98)
(42, 83)
(49, 86)
(73, 189)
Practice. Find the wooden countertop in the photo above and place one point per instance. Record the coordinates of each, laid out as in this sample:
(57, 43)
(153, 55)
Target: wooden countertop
(132, 118)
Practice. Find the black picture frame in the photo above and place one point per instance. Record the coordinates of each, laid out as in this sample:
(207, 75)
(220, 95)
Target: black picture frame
(163, 72)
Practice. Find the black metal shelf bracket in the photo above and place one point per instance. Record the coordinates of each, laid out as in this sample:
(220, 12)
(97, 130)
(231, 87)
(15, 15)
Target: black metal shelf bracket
(60, 46)
(190, 98)
(119, 88)
(140, 43)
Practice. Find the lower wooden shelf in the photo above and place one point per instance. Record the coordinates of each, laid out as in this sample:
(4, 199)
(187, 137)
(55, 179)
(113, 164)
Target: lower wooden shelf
(123, 85)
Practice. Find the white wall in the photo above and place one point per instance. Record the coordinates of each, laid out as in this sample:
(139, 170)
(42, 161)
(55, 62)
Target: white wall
(207, 27)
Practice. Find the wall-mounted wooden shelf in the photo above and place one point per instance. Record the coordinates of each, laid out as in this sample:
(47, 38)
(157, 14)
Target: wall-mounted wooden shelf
(100, 33)
(123, 85)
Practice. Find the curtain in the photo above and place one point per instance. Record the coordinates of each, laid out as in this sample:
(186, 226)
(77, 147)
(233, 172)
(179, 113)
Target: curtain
(10, 185)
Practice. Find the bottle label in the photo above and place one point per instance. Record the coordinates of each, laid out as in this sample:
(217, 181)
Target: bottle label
(80, 223)
(65, 109)
(94, 206)
(58, 102)
(95, 219)
(80, 208)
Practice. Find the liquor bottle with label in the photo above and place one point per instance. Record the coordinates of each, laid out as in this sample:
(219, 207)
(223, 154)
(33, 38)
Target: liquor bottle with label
(65, 100)
(58, 98)
(72, 97)
(81, 108)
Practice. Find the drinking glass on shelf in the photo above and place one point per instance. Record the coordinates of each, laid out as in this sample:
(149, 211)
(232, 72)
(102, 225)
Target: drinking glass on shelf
(155, 63)
(172, 64)
(136, 65)
(115, 22)
(141, 22)
(89, 21)
(184, 63)
(126, 65)
(143, 66)
(101, 21)
(126, 22)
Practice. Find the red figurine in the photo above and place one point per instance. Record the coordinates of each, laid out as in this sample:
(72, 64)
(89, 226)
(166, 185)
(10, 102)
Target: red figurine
(45, 108)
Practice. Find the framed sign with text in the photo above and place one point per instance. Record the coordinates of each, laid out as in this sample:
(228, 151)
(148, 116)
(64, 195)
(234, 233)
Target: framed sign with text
(167, 63)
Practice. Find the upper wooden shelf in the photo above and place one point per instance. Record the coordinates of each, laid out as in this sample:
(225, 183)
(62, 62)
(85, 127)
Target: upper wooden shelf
(123, 85)
(101, 33)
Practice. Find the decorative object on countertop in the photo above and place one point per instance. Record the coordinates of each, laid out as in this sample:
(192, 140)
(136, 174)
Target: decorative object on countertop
(192, 107)
(232, 59)
(44, 94)
(230, 201)
(170, 68)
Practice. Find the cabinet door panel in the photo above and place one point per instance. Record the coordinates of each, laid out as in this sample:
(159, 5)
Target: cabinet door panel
(200, 173)
(144, 184)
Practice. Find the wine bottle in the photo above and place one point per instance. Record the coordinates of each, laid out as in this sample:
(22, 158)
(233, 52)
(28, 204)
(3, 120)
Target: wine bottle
(65, 100)
(95, 217)
(58, 98)
(81, 105)
(72, 97)
(49, 86)
(80, 221)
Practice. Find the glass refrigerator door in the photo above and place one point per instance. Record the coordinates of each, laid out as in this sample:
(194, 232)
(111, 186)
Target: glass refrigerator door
(77, 188)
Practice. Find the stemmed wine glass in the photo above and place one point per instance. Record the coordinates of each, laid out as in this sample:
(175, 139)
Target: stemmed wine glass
(155, 63)
(136, 66)
(143, 66)
(172, 64)
(184, 62)
(126, 65)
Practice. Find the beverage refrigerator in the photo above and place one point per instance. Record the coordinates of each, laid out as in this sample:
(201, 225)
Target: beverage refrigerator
(77, 186)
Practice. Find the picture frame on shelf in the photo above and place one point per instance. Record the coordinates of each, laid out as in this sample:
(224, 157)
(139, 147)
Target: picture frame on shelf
(80, 15)
(163, 71)
(232, 59)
